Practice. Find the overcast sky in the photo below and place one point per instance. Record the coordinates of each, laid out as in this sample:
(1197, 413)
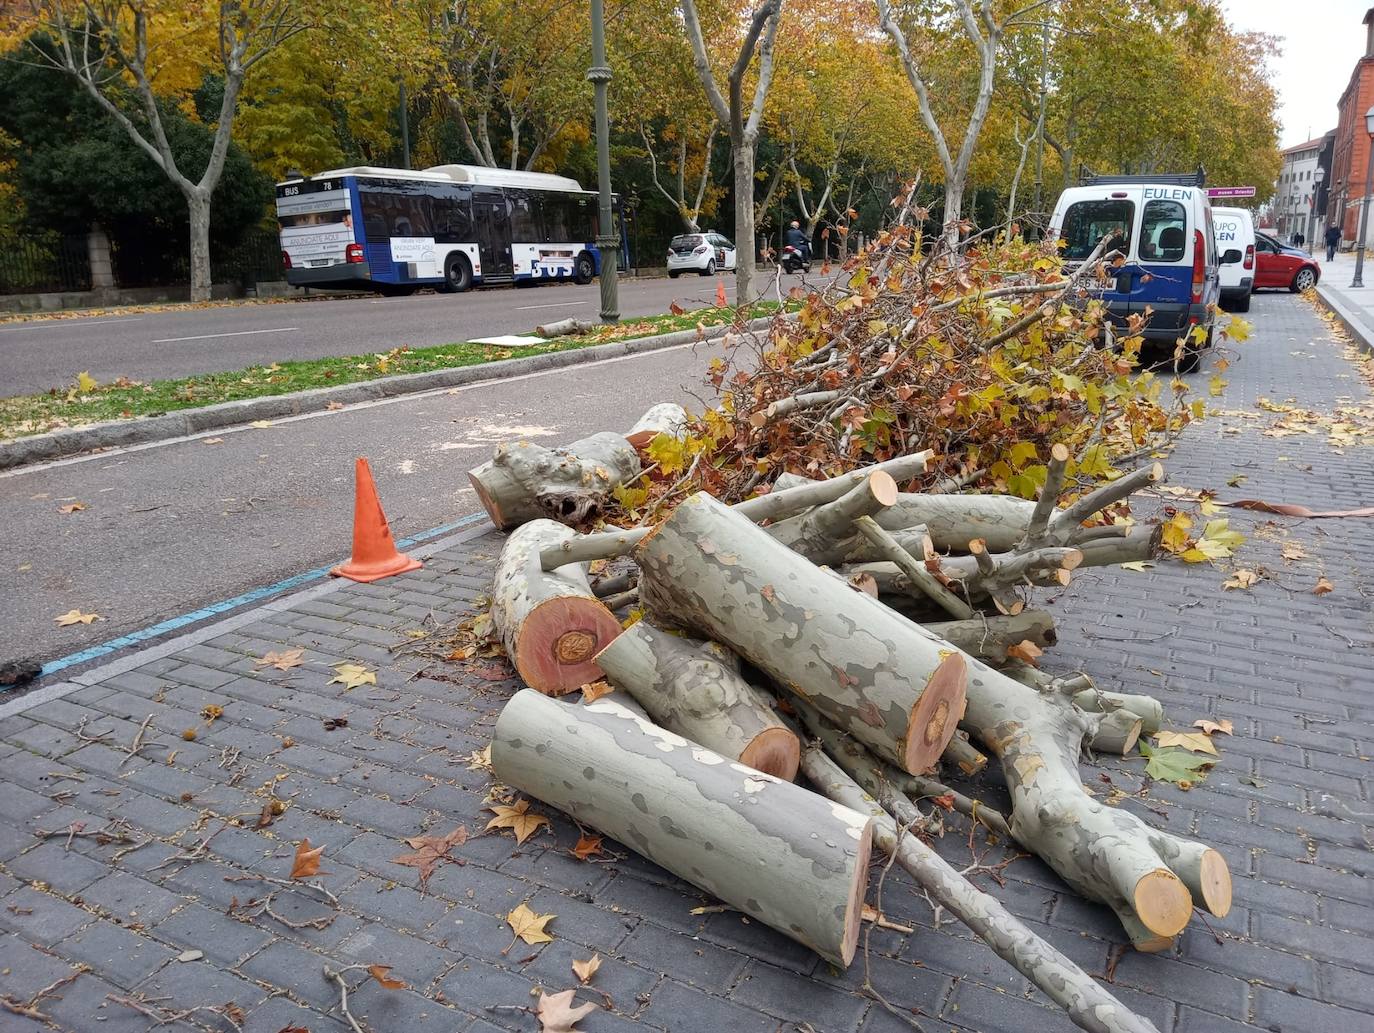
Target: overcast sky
(1322, 40)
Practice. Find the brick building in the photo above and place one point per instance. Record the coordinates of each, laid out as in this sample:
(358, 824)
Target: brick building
(1350, 158)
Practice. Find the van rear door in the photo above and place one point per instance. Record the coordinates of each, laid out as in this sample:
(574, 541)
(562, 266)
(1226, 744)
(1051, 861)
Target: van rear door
(1163, 282)
(1083, 226)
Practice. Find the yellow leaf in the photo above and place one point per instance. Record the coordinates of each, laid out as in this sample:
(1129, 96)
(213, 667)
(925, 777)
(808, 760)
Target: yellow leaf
(668, 451)
(556, 1012)
(518, 818)
(1215, 386)
(352, 675)
(1238, 329)
(1139, 565)
(85, 383)
(212, 711)
(1240, 579)
(260, 424)
(584, 970)
(282, 660)
(1323, 586)
(1197, 742)
(76, 617)
(1209, 727)
(528, 926)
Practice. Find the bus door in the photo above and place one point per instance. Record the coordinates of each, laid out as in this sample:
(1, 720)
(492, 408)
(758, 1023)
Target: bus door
(491, 221)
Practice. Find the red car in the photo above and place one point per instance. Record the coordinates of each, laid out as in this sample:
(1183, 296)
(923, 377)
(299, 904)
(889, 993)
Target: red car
(1277, 265)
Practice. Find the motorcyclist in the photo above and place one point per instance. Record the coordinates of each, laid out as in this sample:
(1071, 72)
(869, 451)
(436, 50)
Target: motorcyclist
(797, 239)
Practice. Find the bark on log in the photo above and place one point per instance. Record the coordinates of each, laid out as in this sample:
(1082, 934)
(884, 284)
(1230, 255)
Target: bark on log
(921, 581)
(525, 481)
(664, 418)
(1147, 708)
(962, 754)
(988, 637)
(1105, 853)
(773, 506)
(871, 671)
(1115, 733)
(816, 533)
(1139, 543)
(689, 689)
(1088, 1005)
(550, 622)
(784, 856)
(564, 327)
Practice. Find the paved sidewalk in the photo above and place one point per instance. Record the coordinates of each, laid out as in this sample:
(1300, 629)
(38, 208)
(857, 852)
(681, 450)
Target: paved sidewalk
(1353, 306)
(1289, 804)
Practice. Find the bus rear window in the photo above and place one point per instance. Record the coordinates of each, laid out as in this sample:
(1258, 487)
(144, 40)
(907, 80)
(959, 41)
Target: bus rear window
(1087, 222)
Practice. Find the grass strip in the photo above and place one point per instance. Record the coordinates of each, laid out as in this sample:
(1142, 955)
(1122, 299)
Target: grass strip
(88, 402)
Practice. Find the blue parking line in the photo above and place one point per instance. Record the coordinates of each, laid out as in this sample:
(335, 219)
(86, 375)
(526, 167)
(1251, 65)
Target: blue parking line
(214, 609)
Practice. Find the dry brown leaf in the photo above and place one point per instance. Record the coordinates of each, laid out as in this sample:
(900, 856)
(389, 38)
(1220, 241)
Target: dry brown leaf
(528, 926)
(518, 818)
(1210, 727)
(593, 691)
(1240, 579)
(76, 617)
(212, 712)
(1026, 650)
(282, 660)
(334, 406)
(271, 810)
(190, 734)
(1293, 551)
(480, 760)
(74, 507)
(584, 970)
(557, 1014)
(1323, 586)
(1197, 742)
(430, 850)
(587, 847)
(307, 862)
(382, 973)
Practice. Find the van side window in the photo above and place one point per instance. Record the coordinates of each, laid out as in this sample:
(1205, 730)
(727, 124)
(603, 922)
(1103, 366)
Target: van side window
(1087, 222)
(1163, 232)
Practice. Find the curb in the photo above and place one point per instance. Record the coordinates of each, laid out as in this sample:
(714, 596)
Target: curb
(1361, 331)
(61, 444)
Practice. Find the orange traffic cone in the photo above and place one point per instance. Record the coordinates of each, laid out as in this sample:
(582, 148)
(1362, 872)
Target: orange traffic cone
(720, 295)
(374, 553)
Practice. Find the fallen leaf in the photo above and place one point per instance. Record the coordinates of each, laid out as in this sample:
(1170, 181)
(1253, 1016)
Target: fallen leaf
(307, 862)
(675, 308)
(595, 690)
(584, 970)
(1196, 742)
(491, 672)
(1177, 766)
(461, 653)
(213, 441)
(76, 617)
(334, 406)
(260, 424)
(1209, 727)
(1293, 510)
(189, 735)
(282, 660)
(1138, 565)
(587, 847)
(1025, 650)
(85, 383)
(528, 926)
(518, 818)
(430, 850)
(271, 811)
(480, 760)
(1323, 586)
(382, 973)
(72, 507)
(333, 724)
(211, 712)
(352, 675)
(1240, 579)
(1293, 551)
(1237, 480)
(557, 1014)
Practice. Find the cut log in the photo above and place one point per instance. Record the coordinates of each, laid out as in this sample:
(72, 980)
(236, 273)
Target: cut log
(1115, 733)
(564, 327)
(1138, 543)
(664, 418)
(773, 506)
(871, 671)
(525, 481)
(989, 636)
(961, 753)
(816, 533)
(1105, 853)
(689, 689)
(1088, 1005)
(1066, 524)
(551, 624)
(1147, 708)
(782, 855)
(920, 581)
(1055, 471)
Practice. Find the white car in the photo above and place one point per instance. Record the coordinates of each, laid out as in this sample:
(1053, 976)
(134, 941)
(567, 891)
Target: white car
(702, 253)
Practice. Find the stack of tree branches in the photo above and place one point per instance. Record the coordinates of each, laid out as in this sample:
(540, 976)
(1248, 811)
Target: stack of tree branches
(828, 605)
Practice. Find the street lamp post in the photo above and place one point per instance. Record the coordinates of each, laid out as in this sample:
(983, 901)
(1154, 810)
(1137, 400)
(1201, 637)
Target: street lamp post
(1318, 177)
(1358, 281)
(607, 239)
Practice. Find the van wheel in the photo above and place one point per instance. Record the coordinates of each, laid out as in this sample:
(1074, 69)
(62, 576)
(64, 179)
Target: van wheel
(457, 274)
(584, 268)
(1243, 304)
(1303, 279)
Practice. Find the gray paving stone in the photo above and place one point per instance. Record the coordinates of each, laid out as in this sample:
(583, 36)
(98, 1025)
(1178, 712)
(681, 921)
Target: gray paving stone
(223, 939)
(295, 968)
(117, 954)
(683, 956)
(41, 917)
(85, 1005)
(64, 870)
(1292, 1013)
(130, 899)
(678, 1007)
(277, 1014)
(787, 995)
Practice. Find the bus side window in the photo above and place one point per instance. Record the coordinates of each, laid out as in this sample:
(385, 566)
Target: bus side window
(556, 211)
(454, 217)
(375, 225)
(524, 226)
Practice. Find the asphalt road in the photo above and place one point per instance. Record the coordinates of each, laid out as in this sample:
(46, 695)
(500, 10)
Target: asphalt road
(182, 524)
(183, 341)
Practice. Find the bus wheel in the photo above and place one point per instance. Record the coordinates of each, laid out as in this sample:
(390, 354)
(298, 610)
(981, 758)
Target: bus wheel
(457, 274)
(584, 268)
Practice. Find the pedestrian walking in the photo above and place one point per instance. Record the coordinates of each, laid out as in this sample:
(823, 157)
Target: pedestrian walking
(1333, 238)
(1299, 240)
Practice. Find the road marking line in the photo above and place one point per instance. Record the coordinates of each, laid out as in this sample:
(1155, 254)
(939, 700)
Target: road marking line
(70, 324)
(561, 304)
(235, 333)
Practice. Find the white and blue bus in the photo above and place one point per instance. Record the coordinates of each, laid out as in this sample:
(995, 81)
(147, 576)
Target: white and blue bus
(448, 227)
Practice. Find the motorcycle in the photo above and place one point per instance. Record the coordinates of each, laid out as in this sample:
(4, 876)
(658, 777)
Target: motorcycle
(793, 258)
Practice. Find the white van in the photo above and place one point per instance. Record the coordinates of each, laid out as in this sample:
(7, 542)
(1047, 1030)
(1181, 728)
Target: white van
(1235, 230)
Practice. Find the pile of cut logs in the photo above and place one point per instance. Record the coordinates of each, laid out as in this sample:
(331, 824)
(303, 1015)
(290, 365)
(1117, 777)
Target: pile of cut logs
(850, 631)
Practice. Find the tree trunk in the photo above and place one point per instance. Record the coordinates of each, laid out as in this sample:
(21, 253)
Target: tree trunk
(742, 155)
(954, 202)
(198, 208)
(1150, 878)
(690, 689)
(525, 481)
(1088, 1004)
(551, 624)
(988, 637)
(872, 672)
(784, 856)
(816, 533)
(664, 418)
(564, 328)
